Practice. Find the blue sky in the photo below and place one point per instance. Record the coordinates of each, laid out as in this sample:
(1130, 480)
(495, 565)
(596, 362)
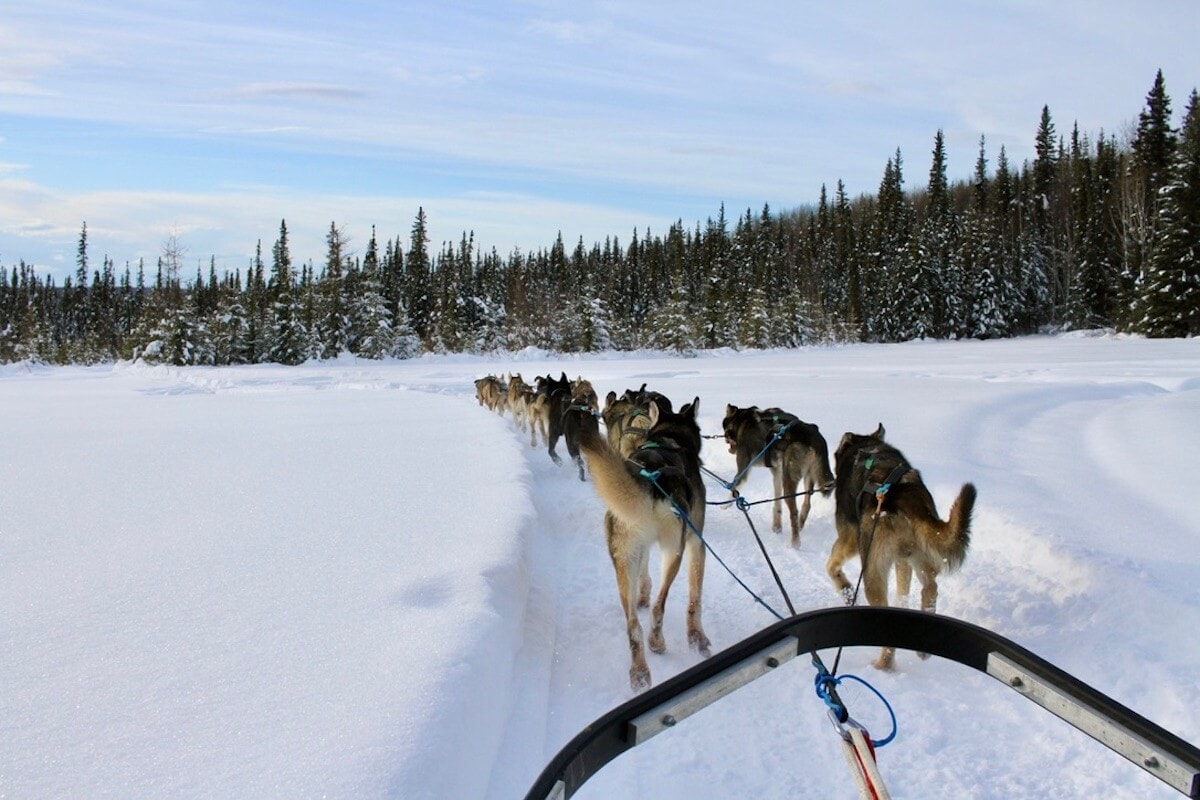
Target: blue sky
(210, 121)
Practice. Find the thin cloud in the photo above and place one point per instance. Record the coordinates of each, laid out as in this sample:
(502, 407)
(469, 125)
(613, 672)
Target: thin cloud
(569, 31)
(299, 90)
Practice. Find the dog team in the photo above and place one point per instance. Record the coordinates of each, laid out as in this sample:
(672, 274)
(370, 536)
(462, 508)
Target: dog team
(647, 472)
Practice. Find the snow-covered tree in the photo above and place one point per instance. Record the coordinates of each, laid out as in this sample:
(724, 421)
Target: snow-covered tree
(1169, 304)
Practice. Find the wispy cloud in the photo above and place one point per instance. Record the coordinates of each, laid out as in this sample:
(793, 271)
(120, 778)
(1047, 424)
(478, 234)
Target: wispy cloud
(300, 90)
(570, 31)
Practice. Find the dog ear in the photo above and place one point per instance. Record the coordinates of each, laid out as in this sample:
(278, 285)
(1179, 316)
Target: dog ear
(609, 399)
(695, 408)
(730, 410)
(879, 432)
(654, 412)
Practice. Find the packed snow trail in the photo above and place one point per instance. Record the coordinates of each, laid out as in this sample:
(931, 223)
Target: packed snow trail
(1017, 434)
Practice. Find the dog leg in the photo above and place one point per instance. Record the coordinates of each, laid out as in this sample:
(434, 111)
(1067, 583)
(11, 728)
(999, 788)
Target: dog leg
(794, 517)
(844, 548)
(875, 587)
(579, 463)
(696, 637)
(639, 670)
(903, 583)
(644, 589)
(806, 505)
(929, 594)
(929, 590)
(672, 556)
(776, 507)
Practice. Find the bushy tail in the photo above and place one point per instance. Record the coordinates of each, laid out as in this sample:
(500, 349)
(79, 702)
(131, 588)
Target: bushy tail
(956, 533)
(624, 496)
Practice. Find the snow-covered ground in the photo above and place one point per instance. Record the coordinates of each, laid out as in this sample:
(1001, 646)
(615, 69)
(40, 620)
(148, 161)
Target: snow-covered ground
(349, 580)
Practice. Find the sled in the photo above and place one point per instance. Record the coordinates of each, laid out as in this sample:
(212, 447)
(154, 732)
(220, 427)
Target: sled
(1145, 744)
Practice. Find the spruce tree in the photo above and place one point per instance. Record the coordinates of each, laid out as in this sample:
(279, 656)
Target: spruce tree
(373, 321)
(1169, 304)
(287, 339)
(1154, 142)
(417, 276)
(1045, 168)
(940, 271)
(332, 328)
(895, 300)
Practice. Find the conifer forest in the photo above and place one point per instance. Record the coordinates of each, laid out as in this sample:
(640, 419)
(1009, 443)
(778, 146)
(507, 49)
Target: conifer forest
(1098, 231)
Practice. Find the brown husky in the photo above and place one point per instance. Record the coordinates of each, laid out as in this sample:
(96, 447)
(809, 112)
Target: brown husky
(654, 495)
(625, 422)
(887, 516)
(516, 400)
(488, 391)
(799, 453)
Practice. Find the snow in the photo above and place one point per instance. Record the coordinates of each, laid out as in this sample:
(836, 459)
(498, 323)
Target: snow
(346, 579)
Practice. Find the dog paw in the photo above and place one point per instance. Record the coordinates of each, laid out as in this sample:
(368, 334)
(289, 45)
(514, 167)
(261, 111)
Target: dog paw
(698, 641)
(848, 596)
(886, 661)
(639, 679)
(923, 656)
(656, 643)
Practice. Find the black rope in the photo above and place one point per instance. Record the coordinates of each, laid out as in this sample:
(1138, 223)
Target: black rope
(864, 555)
(767, 557)
(653, 476)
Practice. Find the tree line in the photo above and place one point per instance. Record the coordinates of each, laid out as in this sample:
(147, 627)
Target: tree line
(1093, 232)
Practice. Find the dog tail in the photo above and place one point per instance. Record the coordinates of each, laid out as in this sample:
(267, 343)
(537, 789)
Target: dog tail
(624, 497)
(956, 536)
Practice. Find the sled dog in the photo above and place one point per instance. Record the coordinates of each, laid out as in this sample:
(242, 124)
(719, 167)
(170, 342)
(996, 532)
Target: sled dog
(580, 415)
(625, 423)
(886, 515)
(554, 397)
(799, 453)
(517, 389)
(651, 497)
(583, 392)
(488, 390)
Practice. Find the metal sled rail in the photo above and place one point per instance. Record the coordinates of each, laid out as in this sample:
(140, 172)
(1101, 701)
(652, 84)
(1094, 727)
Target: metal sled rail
(1149, 746)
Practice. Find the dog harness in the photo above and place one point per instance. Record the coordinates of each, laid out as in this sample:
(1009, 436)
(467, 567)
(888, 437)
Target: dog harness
(880, 490)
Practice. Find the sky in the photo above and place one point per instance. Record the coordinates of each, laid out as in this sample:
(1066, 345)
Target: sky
(207, 124)
(279, 582)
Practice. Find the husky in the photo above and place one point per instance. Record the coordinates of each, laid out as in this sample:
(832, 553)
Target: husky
(654, 495)
(536, 405)
(580, 414)
(583, 392)
(517, 391)
(644, 397)
(488, 390)
(625, 423)
(553, 399)
(799, 453)
(886, 515)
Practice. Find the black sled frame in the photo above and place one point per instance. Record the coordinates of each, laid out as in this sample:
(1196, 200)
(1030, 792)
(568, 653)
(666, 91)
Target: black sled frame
(1149, 746)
